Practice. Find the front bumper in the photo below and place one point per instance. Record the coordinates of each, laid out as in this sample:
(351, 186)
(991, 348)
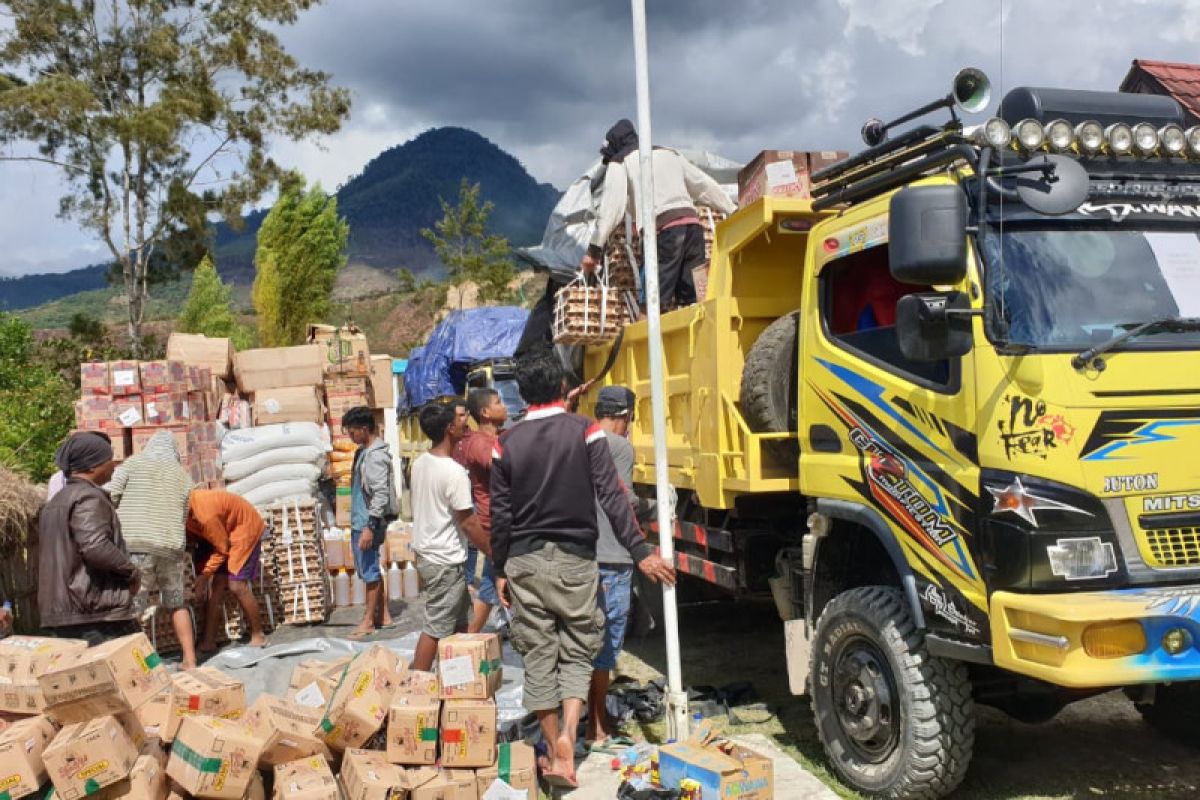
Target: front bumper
(1042, 635)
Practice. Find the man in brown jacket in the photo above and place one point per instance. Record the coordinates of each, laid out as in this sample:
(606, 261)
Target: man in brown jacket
(86, 580)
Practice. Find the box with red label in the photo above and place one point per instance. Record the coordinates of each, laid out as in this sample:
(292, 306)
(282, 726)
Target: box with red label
(198, 406)
(214, 758)
(165, 408)
(22, 744)
(124, 377)
(127, 411)
(468, 733)
(360, 704)
(412, 730)
(94, 413)
(516, 766)
(774, 173)
(23, 659)
(117, 676)
(198, 691)
(163, 376)
(183, 441)
(94, 378)
(469, 666)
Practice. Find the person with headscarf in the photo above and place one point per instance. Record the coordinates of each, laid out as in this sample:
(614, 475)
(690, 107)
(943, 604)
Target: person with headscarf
(151, 492)
(679, 186)
(86, 578)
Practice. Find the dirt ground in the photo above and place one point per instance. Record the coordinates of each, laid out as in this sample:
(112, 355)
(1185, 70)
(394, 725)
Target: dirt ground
(1096, 748)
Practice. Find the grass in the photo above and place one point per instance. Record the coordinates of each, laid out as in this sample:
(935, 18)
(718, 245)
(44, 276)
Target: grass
(1095, 748)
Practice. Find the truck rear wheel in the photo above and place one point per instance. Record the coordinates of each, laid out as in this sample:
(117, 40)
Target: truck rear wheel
(895, 722)
(769, 384)
(1175, 711)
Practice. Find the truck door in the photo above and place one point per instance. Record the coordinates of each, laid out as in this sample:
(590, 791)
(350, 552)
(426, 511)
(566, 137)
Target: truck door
(892, 438)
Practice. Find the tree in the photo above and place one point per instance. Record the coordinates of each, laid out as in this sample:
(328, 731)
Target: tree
(35, 403)
(468, 251)
(208, 309)
(301, 246)
(158, 113)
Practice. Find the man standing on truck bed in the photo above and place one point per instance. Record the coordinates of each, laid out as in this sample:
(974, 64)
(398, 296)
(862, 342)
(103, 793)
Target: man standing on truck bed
(547, 469)
(678, 186)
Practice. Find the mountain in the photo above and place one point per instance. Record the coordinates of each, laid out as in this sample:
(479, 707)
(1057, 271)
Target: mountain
(387, 204)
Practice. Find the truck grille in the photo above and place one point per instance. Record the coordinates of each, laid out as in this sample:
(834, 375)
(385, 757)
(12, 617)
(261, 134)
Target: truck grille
(1173, 547)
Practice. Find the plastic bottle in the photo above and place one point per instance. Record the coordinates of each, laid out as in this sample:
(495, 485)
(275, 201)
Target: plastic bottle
(341, 589)
(358, 591)
(395, 580)
(411, 587)
(333, 549)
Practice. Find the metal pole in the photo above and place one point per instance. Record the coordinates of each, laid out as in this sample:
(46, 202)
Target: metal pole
(677, 711)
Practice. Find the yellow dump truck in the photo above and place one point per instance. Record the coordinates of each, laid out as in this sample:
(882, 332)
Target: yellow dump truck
(954, 400)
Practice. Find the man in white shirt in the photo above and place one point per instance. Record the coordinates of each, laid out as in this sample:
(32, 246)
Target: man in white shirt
(443, 519)
(679, 186)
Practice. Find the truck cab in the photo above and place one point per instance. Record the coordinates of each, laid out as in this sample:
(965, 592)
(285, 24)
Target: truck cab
(967, 401)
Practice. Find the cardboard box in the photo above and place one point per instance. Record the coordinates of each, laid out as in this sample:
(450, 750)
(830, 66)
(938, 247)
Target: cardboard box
(122, 442)
(399, 546)
(464, 784)
(201, 351)
(516, 766)
(94, 378)
(23, 659)
(183, 440)
(421, 684)
(166, 408)
(289, 731)
(164, 376)
(268, 368)
(94, 413)
(412, 730)
(22, 744)
(87, 756)
(305, 779)
(124, 377)
(366, 775)
(288, 404)
(437, 788)
(127, 411)
(382, 390)
(214, 758)
(147, 779)
(819, 160)
(740, 773)
(343, 350)
(469, 666)
(343, 394)
(774, 173)
(119, 675)
(468, 733)
(314, 680)
(360, 704)
(197, 406)
(199, 691)
(342, 506)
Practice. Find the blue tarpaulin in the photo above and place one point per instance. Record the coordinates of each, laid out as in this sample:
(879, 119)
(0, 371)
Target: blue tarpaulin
(439, 368)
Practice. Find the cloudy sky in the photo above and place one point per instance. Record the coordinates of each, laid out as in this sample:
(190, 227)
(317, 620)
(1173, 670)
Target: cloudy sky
(544, 78)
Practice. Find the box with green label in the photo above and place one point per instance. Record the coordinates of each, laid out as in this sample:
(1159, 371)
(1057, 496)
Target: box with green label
(412, 730)
(117, 676)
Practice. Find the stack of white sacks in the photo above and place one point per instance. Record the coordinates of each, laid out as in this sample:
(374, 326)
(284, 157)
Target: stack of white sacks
(271, 463)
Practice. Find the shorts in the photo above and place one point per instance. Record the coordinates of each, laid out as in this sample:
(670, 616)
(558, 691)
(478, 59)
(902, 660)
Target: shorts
(96, 633)
(164, 575)
(487, 582)
(446, 598)
(616, 582)
(366, 563)
(249, 571)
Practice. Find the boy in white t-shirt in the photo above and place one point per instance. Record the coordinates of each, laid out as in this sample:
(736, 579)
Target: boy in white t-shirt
(443, 519)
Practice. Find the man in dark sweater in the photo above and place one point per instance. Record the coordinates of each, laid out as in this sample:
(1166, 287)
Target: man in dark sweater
(550, 470)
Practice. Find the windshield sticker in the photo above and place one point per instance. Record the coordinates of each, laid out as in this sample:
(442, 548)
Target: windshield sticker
(1119, 211)
(1178, 256)
(1029, 430)
(1123, 484)
(943, 605)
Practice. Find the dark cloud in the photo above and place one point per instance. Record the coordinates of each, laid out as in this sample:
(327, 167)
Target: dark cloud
(545, 78)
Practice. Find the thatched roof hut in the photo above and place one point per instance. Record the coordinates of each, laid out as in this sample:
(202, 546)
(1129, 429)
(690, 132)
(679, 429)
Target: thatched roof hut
(20, 504)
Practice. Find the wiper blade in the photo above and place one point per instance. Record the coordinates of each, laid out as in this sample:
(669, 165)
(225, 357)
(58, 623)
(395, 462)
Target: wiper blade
(1166, 324)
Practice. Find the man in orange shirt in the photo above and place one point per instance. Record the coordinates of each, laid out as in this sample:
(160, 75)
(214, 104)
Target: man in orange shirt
(229, 533)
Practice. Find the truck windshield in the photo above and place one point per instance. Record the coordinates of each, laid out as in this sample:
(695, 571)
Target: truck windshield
(1070, 288)
(510, 396)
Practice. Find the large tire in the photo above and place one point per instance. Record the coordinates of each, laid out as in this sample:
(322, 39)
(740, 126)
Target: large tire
(769, 385)
(895, 721)
(1175, 711)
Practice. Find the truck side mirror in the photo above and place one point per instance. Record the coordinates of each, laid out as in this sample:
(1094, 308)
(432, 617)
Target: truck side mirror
(934, 326)
(927, 240)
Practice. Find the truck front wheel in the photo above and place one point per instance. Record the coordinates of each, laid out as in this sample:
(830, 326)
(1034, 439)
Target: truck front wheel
(1175, 711)
(895, 722)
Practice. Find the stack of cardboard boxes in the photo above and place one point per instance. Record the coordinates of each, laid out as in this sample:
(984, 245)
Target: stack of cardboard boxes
(782, 173)
(131, 401)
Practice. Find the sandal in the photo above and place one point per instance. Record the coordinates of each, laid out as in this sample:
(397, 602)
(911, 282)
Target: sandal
(361, 634)
(613, 745)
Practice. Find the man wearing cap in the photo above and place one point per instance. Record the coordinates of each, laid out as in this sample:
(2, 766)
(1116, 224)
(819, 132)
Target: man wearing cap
(86, 579)
(614, 415)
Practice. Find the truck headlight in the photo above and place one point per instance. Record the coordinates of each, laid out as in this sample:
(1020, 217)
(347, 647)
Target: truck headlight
(1082, 558)
(1030, 134)
(1173, 140)
(1060, 135)
(1145, 138)
(1120, 138)
(1091, 136)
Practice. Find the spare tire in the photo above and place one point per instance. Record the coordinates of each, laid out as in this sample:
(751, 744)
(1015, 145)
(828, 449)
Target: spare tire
(769, 385)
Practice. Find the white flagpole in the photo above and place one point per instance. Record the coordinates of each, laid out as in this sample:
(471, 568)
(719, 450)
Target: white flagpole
(677, 711)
